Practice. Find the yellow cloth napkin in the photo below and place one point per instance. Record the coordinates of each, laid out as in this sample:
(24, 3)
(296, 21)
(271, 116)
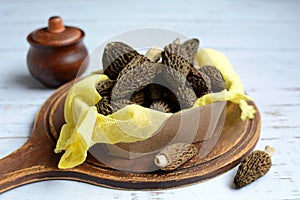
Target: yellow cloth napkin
(85, 126)
(234, 88)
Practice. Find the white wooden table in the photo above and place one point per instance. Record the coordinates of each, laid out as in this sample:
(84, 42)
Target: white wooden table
(260, 37)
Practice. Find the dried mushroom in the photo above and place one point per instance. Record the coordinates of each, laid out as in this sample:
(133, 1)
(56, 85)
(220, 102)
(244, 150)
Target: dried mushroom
(217, 82)
(162, 79)
(116, 56)
(140, 97)
(135, 76)
(191, 47)
(120, 103)
(175, 155)
(175, 69)
(176, 48)
(186, 97)
(103, 106)
(199, 81)
(161, 106)
(104, 87)
(257, 164)
(187, 50)
(157, 91)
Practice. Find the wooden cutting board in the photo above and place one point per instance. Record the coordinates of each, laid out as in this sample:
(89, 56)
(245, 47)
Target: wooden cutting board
(36, 161)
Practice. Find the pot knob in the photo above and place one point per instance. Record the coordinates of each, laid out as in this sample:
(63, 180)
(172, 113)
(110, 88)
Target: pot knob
(55, 24)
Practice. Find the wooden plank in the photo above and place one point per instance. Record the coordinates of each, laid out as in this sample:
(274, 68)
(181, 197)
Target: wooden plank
(174, 9)
(244, 25)
(8, 145)
(241, 36)
(260, 37)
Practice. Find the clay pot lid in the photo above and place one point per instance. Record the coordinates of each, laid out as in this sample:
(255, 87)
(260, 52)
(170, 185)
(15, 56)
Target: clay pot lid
(56, 34)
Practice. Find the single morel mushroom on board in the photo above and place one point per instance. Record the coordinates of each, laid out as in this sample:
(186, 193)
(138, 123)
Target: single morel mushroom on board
(257, 164)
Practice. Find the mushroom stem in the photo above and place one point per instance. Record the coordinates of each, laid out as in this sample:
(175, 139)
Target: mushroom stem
(269, 150)
(176, 41)
(161, 160)
(153, 54)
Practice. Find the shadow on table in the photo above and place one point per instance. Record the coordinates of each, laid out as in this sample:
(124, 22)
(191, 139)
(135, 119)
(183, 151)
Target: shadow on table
(28, 82)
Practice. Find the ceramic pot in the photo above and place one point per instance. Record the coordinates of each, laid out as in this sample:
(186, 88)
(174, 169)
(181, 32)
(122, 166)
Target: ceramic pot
(57, 53)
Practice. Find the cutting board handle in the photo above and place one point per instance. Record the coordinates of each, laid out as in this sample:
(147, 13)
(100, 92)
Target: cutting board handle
(26, 164)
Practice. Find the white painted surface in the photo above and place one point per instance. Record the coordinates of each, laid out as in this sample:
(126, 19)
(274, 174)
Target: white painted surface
(261, 38)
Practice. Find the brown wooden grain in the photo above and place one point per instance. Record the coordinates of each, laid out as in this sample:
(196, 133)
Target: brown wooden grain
(36, 161)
